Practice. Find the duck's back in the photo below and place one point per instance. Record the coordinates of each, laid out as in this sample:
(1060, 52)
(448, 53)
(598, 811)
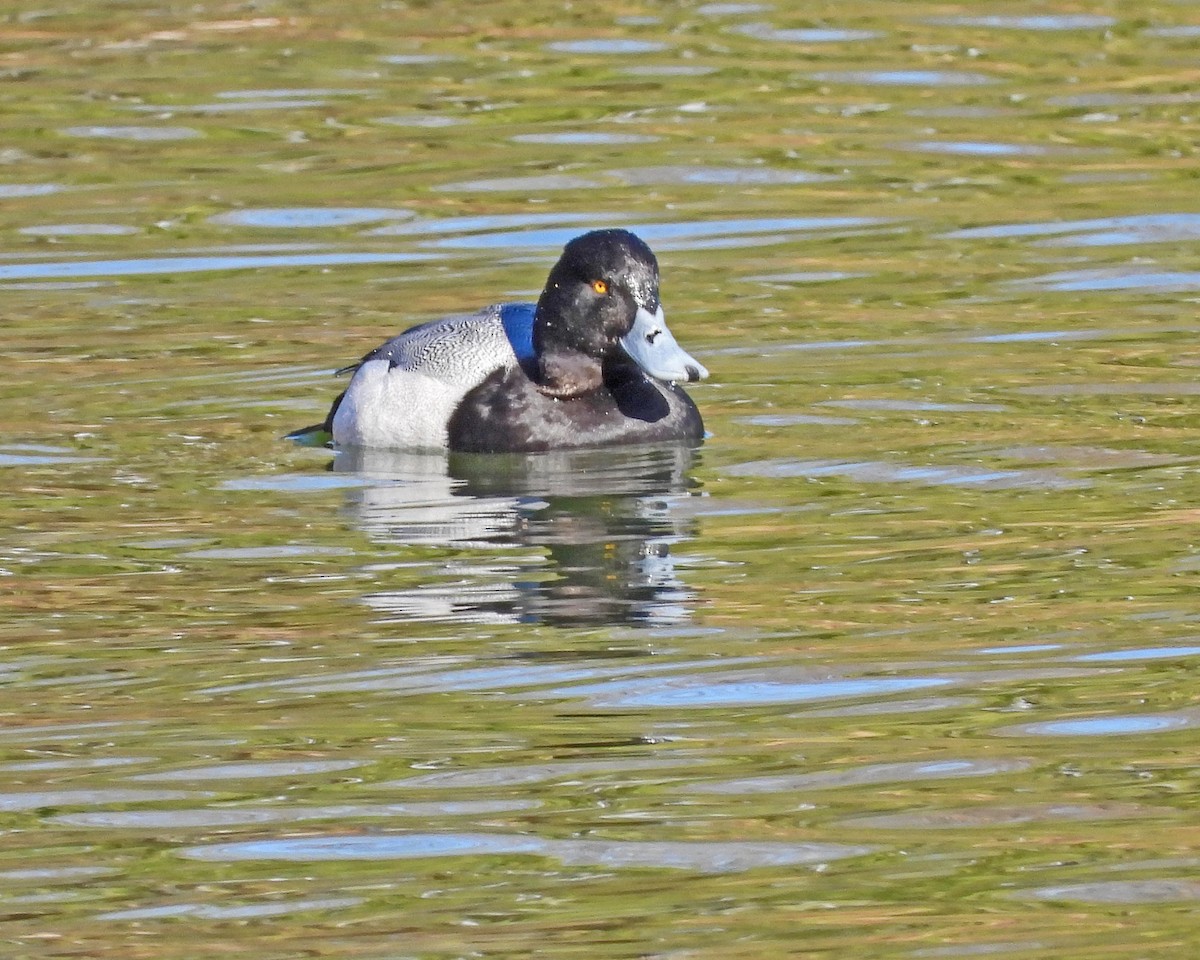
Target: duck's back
(405, 392)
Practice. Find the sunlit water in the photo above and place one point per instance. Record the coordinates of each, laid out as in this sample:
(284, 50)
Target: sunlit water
(900, 662)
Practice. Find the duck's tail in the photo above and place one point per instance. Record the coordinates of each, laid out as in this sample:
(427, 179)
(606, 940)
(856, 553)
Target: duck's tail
(319, 434)
(314, 436)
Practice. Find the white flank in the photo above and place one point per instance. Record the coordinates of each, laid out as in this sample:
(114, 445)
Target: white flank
(404, 398)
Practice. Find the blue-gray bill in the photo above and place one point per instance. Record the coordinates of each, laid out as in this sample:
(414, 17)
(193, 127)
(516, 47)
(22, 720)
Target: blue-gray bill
(656, 351)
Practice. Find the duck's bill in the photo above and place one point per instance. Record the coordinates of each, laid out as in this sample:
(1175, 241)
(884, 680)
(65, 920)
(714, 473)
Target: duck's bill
(652, 348)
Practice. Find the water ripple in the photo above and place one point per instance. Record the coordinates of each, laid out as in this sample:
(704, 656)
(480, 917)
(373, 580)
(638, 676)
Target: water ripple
(857, 776)
(142, 134)
(1161, 890)
(1144, 653)
(504, 221)
(251, 769)
(1183, 31)
(291, 93)
(1096, 232)
(1058, 21)
(231, 106)
(668, 70)
(78, 230)
(428, 121)
(740, 689)
(12, 802)
(765, 31)
(1120, 98)
(73, 763)
(806, 276)
(671, 236)
(1177, 389)
(14, 190)
(172, 265)
(521, 774)
(73, 731)
(242, 816)
(605, 45)
(977, 148)
(732, 9)
(283, 551)
(249, 911)
(52, 874)
(415, 59)
(295, 482)
(904, 78)
(1114, 725)
(1088, 458)
(305, 217)
(583, 138)
(989, 817)
(875, 471)
(797, 419)
(703, 856)
(917, 406)
(643, 176)
(41, 459)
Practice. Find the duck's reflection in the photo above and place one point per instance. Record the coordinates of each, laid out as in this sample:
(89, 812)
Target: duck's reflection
(571, 537)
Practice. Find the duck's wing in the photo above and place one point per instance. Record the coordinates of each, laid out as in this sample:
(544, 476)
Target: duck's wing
(405, 349)
(399, 350)
(456, 348)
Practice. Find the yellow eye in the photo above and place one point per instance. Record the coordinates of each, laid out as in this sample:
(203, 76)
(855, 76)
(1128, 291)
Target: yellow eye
(600, 286)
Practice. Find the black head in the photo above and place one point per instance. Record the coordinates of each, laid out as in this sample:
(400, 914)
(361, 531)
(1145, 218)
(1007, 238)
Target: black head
(591, 298)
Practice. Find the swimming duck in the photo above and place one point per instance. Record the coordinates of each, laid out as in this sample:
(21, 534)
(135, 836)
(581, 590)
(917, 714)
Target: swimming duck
(592, 363)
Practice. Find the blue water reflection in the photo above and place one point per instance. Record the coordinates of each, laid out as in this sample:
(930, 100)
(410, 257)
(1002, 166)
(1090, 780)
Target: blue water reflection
(731, 9)
(149, 266)
(415, 59)
(1133, 277)
(1148, 653)
(1155, 890)
(32, 455)
(10, 190)
(975, 148)
(231, 106)
(1058, 21)
(703, 856)
(748, 688)
(126, 132)
(908, 771)
(290, 217)
(77, 230)
(1107, 726)
(1185, 31)
(875, 471)
(602, 45)
(765, 31)
(904, 78)
(1096, 232)
(583, 138)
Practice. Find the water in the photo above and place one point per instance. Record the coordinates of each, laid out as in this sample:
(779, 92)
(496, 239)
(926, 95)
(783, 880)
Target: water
(901, 662)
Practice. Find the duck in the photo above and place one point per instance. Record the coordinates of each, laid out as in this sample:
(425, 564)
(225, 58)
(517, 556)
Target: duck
(591, 364)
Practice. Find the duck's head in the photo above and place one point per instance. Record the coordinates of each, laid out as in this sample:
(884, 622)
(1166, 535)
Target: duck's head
(601, 297)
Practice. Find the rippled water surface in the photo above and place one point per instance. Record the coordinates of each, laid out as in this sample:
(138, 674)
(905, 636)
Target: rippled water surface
(901, 662)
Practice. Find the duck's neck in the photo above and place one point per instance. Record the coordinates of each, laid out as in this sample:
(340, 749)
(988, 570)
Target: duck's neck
(568, 362)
